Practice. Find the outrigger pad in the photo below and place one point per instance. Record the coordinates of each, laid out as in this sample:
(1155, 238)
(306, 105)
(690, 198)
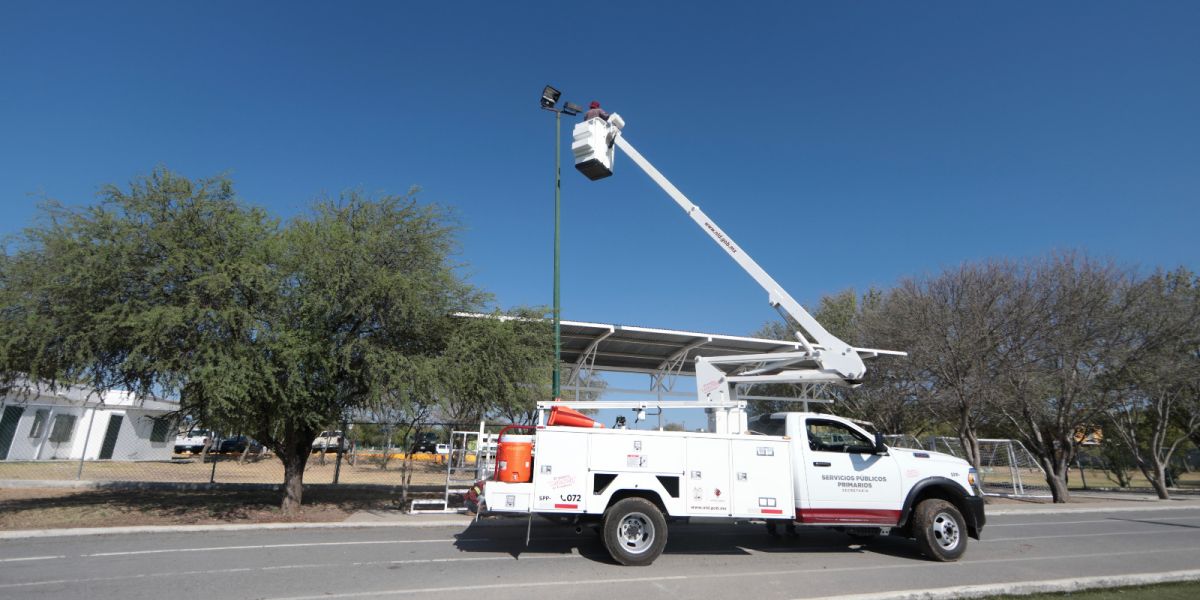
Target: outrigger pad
(593, 169)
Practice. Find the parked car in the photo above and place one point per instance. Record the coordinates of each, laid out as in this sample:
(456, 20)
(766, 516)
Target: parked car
(237, 443)
(442, 449)
(329, 441)
(426, 442)
(193, 441)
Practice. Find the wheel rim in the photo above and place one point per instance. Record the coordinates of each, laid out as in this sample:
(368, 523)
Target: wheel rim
(946, 531)
(636, 533)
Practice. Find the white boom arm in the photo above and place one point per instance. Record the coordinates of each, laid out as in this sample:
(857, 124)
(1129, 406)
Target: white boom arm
(831, 355)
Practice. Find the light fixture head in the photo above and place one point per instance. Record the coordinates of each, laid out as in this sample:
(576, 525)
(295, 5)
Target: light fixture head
(572, 109)
(550, 97)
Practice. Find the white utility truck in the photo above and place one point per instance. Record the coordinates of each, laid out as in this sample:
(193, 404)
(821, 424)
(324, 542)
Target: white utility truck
(797, 467)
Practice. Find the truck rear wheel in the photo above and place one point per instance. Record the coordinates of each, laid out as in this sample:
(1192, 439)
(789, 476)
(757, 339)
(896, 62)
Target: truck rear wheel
(635, 532)
(940, 530)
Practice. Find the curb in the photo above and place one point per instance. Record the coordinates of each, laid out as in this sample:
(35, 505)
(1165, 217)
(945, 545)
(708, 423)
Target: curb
(81, 531)
(1090, 509)
(205, 486)
(1025, 588)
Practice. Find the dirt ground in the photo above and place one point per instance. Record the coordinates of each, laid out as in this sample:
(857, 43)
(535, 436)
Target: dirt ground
(52, 508)
(226, 469)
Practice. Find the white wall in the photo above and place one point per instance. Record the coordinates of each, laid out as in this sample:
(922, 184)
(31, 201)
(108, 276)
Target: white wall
(133, 440)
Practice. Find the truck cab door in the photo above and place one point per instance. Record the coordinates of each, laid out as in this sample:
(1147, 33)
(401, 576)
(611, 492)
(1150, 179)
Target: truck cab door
(846, 481)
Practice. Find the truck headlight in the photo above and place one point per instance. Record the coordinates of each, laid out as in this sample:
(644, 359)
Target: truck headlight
(971, 479)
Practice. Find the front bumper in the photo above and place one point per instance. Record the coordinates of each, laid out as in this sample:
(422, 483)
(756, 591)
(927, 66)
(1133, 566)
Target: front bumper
(975, 516)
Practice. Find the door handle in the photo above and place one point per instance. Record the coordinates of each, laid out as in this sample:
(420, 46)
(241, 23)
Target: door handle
(822, 464)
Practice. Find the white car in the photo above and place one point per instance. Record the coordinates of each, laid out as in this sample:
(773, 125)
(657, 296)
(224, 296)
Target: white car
(193, 441)
(328, 441)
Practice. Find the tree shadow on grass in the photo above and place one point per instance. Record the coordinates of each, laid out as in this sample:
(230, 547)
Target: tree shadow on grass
(125, 506)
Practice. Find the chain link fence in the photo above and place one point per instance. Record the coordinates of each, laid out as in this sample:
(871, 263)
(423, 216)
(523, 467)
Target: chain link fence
(131, 445)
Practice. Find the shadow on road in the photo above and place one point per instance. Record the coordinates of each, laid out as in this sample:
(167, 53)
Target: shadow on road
(507, 536)
(1150, 522)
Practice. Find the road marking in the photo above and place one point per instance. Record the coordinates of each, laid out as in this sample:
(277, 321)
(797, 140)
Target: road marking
(494, 586)
(1082, 535)
(275, 568)
(1029, 587)
(25, 558)
(580, 582)
(1111, 520)
(267, 546)
(421, 561)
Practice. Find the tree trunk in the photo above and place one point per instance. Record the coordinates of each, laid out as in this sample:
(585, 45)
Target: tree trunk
(969, 440)
(294, 452)
(1056, 479)
(293, 479)
(1159, 481)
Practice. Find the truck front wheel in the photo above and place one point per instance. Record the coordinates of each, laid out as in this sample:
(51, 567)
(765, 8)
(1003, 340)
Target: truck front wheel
(635, 532)
(940, 530)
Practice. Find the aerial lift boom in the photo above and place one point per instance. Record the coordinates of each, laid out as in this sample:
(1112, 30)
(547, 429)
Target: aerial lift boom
(824, 358)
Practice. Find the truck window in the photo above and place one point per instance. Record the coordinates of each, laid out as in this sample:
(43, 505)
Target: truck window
(832, 436)
(765, 425)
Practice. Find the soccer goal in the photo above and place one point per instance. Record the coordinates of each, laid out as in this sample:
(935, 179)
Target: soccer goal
(1007, 468)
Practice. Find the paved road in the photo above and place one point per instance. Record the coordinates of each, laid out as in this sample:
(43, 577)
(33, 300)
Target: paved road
(490, 557)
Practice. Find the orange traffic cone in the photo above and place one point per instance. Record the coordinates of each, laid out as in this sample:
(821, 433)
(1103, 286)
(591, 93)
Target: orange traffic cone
(565, 417)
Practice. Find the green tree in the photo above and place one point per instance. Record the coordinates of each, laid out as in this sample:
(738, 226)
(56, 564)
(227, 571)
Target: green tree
(497, 365)
(175, 287)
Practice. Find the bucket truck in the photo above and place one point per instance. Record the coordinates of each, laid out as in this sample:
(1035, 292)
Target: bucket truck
(806, 468)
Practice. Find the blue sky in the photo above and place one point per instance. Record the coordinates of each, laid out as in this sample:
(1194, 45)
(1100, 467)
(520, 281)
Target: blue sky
(843, 144)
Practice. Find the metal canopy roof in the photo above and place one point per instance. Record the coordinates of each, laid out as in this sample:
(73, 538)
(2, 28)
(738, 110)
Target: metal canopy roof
(604, 347)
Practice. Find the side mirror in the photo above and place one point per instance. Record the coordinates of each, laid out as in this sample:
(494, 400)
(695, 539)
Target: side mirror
(880, 447)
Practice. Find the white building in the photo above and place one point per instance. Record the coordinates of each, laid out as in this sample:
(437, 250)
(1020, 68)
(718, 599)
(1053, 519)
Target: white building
(79, 423)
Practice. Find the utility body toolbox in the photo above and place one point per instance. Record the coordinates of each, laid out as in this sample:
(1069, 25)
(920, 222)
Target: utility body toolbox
(691, 474)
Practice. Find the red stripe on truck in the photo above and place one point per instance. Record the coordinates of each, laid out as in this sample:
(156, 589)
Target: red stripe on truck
(772, 511)
(566, 506)
(847, 515)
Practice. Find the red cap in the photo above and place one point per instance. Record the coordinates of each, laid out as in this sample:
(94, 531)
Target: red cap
(595, 104)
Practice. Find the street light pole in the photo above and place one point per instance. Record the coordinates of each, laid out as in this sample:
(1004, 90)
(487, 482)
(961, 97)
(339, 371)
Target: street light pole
(557, 378)
(550, 98)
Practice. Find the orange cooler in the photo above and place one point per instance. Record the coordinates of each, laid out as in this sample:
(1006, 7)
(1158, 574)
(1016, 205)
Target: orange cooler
(515, 456)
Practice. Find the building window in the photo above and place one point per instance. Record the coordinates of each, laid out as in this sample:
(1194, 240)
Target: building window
(162, 426)
(39, 423)
(64, 426)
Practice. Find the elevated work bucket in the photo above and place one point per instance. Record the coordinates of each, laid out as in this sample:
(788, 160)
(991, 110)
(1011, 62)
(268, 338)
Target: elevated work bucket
(565, 417)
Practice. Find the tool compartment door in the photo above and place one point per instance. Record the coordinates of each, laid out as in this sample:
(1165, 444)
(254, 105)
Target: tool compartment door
(629, 452)
(706, 486)
(762, 478)
(560, 472)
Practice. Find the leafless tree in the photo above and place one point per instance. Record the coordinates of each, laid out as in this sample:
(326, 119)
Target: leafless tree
(1155, 411)
(952, 326)
(1058, 350)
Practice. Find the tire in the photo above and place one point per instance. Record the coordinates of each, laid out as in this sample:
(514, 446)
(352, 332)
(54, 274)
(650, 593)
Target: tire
(635, 532)
(940, 530)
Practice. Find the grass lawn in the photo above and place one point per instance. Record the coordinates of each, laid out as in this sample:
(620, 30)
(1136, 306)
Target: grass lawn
(1096, 478)
(1186, 590)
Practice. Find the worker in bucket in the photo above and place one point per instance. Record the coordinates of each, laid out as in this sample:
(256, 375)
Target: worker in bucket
(594, 111)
